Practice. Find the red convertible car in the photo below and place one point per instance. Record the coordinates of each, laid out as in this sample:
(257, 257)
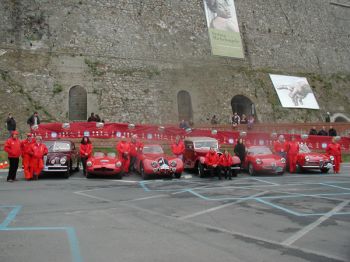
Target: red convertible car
(153, 162)
(101, 164)
(260, 159)
(307, 160)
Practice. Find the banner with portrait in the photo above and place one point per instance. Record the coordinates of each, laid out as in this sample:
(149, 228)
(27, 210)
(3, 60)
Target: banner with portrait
(222, 23)
(294, 92)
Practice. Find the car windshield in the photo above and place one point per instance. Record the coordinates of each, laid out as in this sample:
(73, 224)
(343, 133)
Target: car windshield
(303, 148)
(152, 150)
(259, 151)
(58, 146)
(99, 154)
(111, 154)
(206, 144)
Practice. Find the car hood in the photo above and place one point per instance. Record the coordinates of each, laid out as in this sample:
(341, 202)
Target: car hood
(268, 158)
(103, 160)
(314, 156)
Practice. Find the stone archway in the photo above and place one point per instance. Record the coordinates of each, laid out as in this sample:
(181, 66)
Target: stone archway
(243, 105)
(77, 103)
(184, 105)
(339, 117)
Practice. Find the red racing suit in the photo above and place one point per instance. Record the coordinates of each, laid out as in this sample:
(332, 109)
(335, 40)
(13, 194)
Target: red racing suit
(280, 148)
(38, 150)
(27, 158)
(135, 147)
(225, 161)
(123, 149)
(85, 150)
(211, 159)
(13, 147)
(178, 149)
(334, 149)
(293, 150)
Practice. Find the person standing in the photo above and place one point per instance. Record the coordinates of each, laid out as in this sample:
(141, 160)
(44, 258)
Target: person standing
(178, 147)
(332, 131)
(85, 151)
(33, 120)
(92, 118)
(322, 132)
(293, 150)
(10, 124)
(240, 150)
(235, 120)
(135, 148)
(26, 146)
(38, 150)
(225, 163)
(13, 149)
(123, 149)
(328, 117)
(334, 149)
(313, 131)
(280, 147)
(212, 162)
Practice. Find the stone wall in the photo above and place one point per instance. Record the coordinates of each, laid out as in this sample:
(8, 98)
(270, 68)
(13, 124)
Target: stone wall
(134, 56)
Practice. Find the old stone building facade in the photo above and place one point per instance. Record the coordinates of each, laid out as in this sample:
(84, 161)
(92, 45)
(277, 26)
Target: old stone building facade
(150, 61)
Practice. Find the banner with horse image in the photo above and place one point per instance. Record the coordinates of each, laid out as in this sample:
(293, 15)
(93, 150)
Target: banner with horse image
(294, 92)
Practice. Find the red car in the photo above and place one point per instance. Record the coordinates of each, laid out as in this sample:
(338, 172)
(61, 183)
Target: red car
(307, 160)
(101, 164)
(260, 159)
(195, 150)
(153, 162)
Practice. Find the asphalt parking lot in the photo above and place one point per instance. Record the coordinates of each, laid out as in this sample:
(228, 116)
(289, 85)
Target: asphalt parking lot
(299, 217)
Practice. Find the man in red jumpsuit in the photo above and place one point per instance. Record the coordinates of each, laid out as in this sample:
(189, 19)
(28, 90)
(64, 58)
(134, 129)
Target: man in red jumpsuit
(123, 149)
(280, 147)
(13, 149)
(85, 151)
(135, 147)
(26, 146)
(178, 148)
(38, 150)
(293, 150)
(212, 162)
(225, 163)
(334, 149)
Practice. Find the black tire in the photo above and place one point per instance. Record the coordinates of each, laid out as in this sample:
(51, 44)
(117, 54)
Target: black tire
(67, 174)
(234, 172)
(142, 172)
(119, 176)
(298, 169)
(177, 175)
(324, 170)
(200, 170)
(251, 170)
(88, 175)
(280, 173)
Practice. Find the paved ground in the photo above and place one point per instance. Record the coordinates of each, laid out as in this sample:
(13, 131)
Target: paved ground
(300, 217)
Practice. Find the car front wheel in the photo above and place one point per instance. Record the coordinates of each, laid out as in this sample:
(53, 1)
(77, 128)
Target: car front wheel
(251, 169)
(200, 170)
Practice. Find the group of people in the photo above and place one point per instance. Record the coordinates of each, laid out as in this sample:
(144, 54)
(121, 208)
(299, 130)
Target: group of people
(237, 120)
(323, 132)
(95, 118)
(32, 151)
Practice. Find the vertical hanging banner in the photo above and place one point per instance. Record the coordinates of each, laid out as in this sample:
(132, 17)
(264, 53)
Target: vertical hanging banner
(222, 23)
(294, 92)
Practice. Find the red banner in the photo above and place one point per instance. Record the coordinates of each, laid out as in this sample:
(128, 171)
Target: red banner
(150, 132)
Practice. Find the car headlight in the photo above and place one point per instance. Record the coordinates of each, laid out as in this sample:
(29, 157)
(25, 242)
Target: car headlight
(173, 163)
(283, 160)
(89, 163)
(53, 161)
(118, 164)
(331, 158)
(258, 161)
(307, 158)
(63, 160)
(154, 164)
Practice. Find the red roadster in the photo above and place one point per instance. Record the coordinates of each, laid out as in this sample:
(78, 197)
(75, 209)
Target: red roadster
(260, 159)
(307, 160)
(153, 162)
(101, 164)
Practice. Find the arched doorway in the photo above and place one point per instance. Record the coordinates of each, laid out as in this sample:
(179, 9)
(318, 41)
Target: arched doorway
(340, 119)
(77, 103)
(243, 105)
(184, 105)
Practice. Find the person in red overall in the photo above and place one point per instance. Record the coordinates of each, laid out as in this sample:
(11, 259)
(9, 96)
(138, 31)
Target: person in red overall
(123, 149)
(135, 148)
(38, 150)
(293, 150)
(13, 149)
(85, 151)
(280, 147)
(334, 149)
(178, 148)
(225, 163)
(212, 162)
(26, 146)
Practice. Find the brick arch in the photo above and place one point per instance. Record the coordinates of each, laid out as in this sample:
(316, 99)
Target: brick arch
(184, 104)
(243, 105)
(339, 117)
(77, 103)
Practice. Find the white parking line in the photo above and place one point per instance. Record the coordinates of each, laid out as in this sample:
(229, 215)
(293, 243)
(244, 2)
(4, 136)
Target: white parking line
(90, 196)
(310, 227)
(219, 207)
(145, 198)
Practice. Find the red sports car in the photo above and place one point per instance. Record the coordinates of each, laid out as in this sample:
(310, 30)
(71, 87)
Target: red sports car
(153, 162)
(307, 160)
(260, 159)
(104, 165)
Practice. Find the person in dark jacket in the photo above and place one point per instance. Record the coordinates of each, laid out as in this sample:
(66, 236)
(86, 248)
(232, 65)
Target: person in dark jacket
(322, 132)
(240, 150)
(313, 131)
(33, 120)
(11, 124)
(92, 118)
(332, 131)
